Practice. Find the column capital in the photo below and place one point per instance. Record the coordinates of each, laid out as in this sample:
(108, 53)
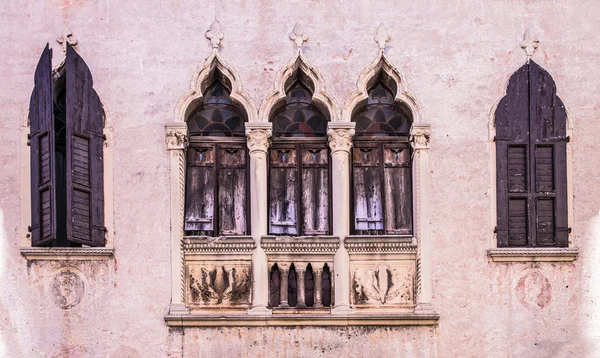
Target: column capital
(340, 136)
(419, 136)
(177, 137)
(258, 134)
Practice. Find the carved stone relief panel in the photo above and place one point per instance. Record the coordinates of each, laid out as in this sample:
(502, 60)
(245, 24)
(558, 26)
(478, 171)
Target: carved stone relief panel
(223, 283)
(383, 283)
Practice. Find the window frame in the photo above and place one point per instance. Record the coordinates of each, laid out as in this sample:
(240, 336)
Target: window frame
(298, 143)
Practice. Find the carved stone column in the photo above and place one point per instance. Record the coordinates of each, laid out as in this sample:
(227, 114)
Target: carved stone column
(176, 141)
(300, 271)
(283, 286)
(420, 143)
(318, 272)
(258, 134)
(340, 141)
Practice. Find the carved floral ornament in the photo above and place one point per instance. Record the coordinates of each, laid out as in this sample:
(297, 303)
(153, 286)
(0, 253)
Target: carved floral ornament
(340, 139)
(419, 137)
(258, 139)
(176, 139)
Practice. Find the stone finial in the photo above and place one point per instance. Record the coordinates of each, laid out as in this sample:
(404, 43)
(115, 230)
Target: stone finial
(530, 43)
(298, 35)
(67, 37)
(382, 36)
(215, 35)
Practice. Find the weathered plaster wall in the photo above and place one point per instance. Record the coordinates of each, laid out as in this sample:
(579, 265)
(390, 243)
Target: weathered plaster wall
(456, 57)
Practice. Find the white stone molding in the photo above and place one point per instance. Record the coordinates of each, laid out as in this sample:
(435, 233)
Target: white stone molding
(67, 253)
(201, 79)
(215, 35)
(530, 43)
(382, 37)
(517, 254)
(381, 63)
(356, 244)
(176, 140)
(298, 35)
(277, 97)
(229, 245)
(67, 37)
(259, 134)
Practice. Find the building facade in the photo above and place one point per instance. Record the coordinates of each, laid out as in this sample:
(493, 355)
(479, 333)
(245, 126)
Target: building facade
(300, 179)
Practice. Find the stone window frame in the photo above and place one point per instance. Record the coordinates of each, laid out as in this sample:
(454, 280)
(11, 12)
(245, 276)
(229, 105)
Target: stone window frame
(66, 253)
(526, 254)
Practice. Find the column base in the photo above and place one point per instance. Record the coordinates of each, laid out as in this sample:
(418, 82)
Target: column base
(342, 310)
(178, 309)
(259, 311)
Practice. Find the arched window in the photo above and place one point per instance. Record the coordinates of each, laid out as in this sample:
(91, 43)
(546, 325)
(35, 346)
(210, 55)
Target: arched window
(299, 183)
(381, 162)
(67, 160)
(217, 172)
(531, 169)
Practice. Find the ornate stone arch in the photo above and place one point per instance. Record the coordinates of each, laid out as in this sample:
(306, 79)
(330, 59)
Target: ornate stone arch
(298, 64)
(203, 77)
(365, 80)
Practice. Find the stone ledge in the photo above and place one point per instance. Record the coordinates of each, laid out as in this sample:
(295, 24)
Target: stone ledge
(408, 319)
(517, 254)
(67, 253)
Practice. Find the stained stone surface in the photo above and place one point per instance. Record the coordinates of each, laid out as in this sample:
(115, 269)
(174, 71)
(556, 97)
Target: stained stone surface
(455, 56)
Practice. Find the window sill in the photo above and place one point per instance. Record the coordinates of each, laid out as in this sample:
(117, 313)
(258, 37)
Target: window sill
(67, 253)
(518, 254)
(406, 319)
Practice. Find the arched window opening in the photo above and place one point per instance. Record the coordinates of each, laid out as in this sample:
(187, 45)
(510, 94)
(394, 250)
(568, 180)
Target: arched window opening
(531, 156)
(299, 182)
(217, 199)
(381, 175)
(274, 286)
(326, 286)
(292, 293)
(309, 286)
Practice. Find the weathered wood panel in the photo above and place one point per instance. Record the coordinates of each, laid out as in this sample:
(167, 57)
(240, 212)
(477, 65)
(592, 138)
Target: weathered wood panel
(398, 190)
(42, 142)
(315, 190)
(232, 190)
(367, 177)
(283, 191)
(200, 191)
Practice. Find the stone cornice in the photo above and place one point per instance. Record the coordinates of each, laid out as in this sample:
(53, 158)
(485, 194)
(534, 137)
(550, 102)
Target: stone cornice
(381, 244)
(303, 319)
(300, 245)
(225, 245)
(533, 254)
(67, 253)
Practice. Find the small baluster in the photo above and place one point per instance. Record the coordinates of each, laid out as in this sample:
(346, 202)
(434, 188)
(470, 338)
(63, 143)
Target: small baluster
(301, 293)
(283, 286)
(318, 272)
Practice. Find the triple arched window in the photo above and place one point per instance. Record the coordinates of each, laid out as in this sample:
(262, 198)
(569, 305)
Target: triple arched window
(299, 162)
(217, 171)
(381, 163)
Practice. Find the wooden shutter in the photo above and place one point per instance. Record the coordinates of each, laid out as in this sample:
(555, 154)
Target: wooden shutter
(368, 215)
(548, 165)
(397, 189)
(84, 143)
(315, 189)
(531, 162)
(232, 189)
(283, 190)
(42, 141)
(200, 190)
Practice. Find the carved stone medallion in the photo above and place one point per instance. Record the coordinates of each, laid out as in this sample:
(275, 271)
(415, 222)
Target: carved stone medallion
(381, 284)
(67, 289)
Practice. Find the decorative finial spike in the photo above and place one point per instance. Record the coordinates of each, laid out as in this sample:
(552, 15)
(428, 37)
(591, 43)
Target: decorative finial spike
(67, 37)
(298, 35)
(530, 43)
(215, 35)
(382, 37)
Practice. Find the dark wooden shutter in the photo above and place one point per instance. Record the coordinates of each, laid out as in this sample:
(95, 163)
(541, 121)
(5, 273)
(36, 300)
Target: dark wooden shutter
(84, 143)
(548, 165)
(531, 162)
(367, 177)
(42, 141)
(512, 147)
(315, 189)
(200, 190)
(232, 189)
(397, 189)
(283, 190)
